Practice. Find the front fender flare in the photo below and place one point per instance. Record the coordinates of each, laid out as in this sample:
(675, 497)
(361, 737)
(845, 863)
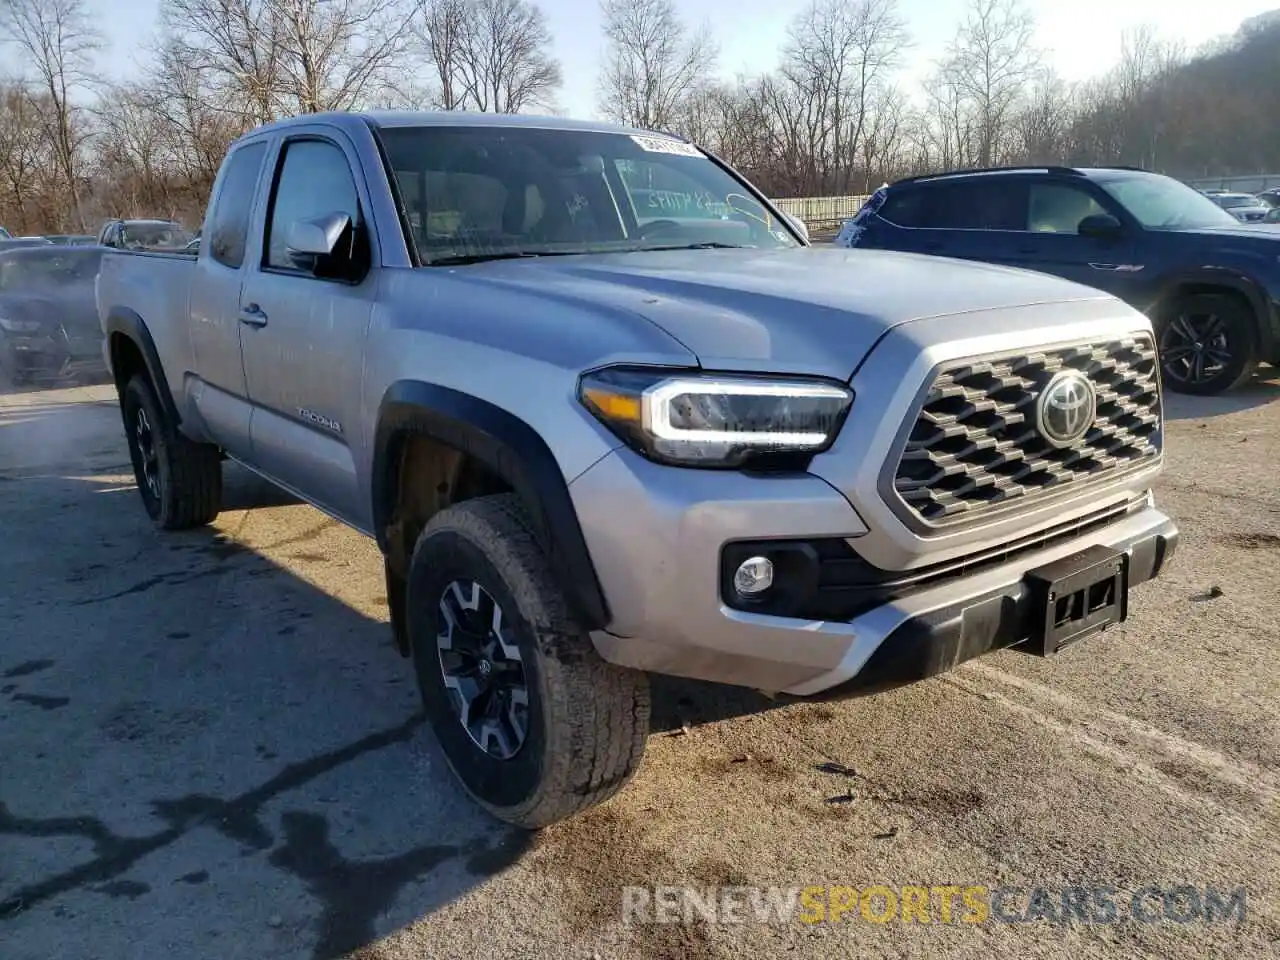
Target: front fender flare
(510, 448)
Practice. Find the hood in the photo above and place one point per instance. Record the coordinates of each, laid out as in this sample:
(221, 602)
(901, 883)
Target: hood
(805, 310)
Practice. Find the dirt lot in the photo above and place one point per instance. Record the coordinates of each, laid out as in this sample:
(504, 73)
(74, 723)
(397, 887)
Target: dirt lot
(208, 748)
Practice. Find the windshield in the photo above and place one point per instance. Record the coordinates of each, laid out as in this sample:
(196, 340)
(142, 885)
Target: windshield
(489, 192)
(1162, 203)
(21, 270)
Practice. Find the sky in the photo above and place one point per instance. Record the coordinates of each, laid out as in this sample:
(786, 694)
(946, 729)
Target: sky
(1081, 38)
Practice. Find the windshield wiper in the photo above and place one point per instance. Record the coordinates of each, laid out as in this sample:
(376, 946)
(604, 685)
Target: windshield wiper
(462, 259)
(705, 245)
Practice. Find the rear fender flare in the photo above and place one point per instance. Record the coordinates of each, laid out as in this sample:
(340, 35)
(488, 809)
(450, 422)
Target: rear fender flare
(121, 320)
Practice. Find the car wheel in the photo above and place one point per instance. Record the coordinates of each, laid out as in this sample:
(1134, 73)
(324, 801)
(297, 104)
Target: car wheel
(180, 481)
(533, 722)
(1207, 344)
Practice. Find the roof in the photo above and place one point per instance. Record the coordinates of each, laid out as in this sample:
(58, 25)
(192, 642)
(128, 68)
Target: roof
(1083, 172)
(448, 118)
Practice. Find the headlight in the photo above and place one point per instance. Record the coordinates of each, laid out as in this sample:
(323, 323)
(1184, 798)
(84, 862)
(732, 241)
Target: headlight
(19, 326)
(704, 420)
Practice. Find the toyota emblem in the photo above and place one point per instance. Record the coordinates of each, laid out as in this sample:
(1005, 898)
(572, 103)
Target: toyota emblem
(1066, 408)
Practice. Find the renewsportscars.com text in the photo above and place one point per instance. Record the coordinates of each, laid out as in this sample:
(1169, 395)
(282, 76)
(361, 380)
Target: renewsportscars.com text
(937, 903)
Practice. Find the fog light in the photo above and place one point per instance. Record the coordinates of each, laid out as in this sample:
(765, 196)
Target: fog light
(754, 576)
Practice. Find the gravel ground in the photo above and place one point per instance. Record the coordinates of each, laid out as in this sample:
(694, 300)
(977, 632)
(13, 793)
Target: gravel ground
(208, 748)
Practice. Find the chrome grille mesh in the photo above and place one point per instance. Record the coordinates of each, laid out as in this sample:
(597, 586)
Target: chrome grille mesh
(975, 445)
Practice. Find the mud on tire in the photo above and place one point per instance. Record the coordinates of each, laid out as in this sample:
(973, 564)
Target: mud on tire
(180, 481)
(479, 580)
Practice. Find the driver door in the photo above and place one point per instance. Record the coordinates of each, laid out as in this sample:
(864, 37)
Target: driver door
(303, 336)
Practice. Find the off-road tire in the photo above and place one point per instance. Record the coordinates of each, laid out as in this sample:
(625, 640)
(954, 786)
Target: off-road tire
(1239, 328)
(587, 719)
(188, 474)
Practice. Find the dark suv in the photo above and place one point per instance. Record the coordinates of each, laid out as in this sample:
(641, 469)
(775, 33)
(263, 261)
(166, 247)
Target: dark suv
(1210, 283)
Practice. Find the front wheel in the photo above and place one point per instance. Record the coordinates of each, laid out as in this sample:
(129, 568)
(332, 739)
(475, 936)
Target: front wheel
(1208, 344)
(533, 722)
(180, 481)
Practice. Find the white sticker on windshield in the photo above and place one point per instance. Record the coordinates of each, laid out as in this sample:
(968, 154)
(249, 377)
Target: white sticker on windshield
(665, 145)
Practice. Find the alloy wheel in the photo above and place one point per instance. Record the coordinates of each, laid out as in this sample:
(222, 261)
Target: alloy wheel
(482, 669)
(1194, 348)
(145, 438)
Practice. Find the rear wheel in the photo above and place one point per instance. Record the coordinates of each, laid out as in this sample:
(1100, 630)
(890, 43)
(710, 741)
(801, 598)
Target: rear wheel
(180, 481)
(1208, 344)
(533, 722)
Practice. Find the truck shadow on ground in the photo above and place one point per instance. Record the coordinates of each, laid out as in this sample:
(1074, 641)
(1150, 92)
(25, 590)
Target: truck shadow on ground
(226, 752)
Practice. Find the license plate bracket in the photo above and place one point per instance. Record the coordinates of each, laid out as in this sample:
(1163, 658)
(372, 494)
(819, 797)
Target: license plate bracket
(1075, 597)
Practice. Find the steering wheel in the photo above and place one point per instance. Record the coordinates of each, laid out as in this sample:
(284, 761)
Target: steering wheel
(659, 227)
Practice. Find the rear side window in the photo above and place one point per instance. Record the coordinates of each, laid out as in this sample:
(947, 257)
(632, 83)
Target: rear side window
(977, 205)
(229, 224)
(906, 208)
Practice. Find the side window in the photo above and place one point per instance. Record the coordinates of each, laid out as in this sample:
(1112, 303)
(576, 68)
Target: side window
(1059, 208)
(314, 180)
(906, 208)
(229, 224)
(978, 205)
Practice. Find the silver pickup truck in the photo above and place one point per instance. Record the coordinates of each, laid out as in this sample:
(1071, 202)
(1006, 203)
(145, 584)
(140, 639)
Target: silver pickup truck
(608, 412)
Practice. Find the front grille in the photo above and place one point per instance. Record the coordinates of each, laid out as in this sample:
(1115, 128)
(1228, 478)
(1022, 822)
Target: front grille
(974, 446)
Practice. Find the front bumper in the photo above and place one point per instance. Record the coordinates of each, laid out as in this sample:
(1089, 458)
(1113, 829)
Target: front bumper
(656, 534)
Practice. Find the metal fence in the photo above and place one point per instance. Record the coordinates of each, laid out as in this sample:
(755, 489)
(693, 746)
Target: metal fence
(822, 215)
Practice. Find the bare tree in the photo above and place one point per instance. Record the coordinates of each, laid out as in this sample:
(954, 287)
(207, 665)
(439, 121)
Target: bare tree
(334, 54)
(493, 56)
(442, 28)
(838, 60)
(58, 42)
(989, 63)
(506, 61)
(652, 64)
(233, 45)
(277, 58)
(24, 158)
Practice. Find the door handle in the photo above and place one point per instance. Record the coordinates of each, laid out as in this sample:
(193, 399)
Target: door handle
(253, 316)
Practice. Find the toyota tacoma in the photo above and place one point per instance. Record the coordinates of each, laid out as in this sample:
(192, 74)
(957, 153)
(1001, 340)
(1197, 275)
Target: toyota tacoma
(608, 413)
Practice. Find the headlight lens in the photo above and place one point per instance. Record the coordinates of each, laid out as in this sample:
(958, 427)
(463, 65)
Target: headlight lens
(705, 420)
(19, 326)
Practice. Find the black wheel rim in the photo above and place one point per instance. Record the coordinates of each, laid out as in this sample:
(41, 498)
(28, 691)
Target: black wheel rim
(482, 669)
(1194, 348)
(144, 438)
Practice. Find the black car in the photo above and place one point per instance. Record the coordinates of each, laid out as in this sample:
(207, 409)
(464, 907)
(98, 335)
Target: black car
(49, 328)
(1210, 283)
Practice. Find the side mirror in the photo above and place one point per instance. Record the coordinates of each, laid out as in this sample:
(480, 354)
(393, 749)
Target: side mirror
(1100, 226)
(317, 237)
(798, 225)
